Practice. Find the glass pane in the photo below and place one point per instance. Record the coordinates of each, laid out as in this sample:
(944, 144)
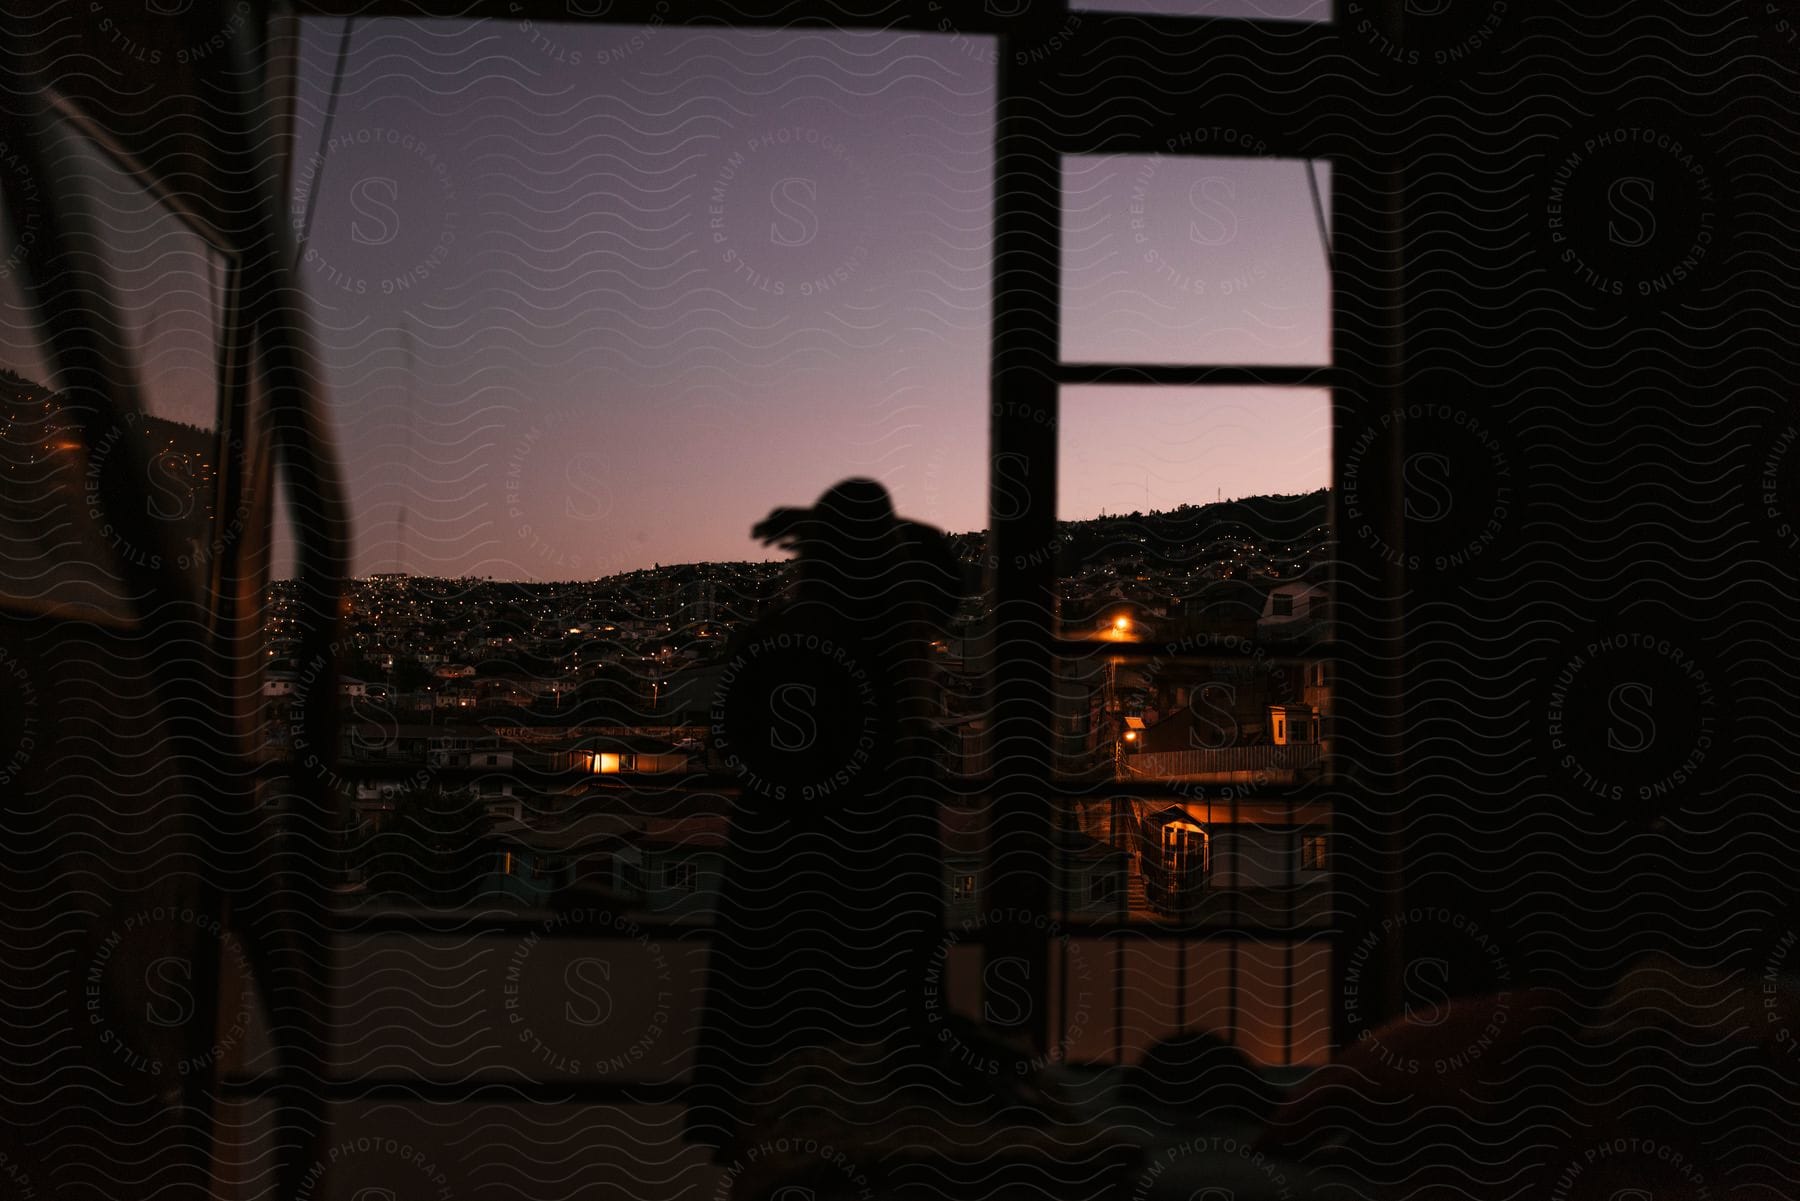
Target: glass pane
(1249, 10)
(1196, 260)
(63, 549)
(564, 354)
(166, 283)
(1128, 451)
(22, 349)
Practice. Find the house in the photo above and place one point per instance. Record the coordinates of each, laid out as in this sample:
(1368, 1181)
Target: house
(376, 800)
(1092, 877)
(1293, 725)
(501, 799)
(1208, 707)
(452, 748)
(1296, 609)
(454, 696)
(377, 739)
(503, 691)
(531, 864)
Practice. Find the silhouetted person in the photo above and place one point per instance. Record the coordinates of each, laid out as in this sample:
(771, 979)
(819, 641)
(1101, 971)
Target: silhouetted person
(831, 908)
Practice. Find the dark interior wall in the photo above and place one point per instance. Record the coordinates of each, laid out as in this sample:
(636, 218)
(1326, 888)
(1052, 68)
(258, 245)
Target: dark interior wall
(1594, 238)
(112, 827)
(1560, 249)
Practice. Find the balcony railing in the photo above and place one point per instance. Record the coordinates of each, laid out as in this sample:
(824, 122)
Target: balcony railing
(1267, 764)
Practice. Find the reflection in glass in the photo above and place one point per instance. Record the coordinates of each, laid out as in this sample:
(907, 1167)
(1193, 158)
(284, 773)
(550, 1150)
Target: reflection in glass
(62, 546)
(166, 283)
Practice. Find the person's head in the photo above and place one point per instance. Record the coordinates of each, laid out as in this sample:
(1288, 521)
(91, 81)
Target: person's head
(850, 547)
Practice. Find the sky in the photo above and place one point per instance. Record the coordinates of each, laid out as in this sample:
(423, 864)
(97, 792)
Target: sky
(592, 298)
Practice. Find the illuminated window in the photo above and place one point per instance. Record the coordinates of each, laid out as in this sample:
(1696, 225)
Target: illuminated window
(611, 763)
(1312, 852)
(962, 888)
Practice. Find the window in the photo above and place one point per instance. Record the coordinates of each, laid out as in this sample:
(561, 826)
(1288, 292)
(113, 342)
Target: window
(791, 202)
(962, 888)
(58, 546)
(1312, 852)
(678, 876)
(1103, 886)
(1283, 604)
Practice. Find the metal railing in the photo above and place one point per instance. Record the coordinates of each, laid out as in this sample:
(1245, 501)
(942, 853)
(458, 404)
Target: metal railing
(1270, 764)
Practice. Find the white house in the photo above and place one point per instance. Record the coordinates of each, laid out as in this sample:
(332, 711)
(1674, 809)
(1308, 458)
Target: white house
(1289, 606)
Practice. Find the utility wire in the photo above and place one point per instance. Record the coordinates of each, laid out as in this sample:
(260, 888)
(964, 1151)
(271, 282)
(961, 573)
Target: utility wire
(1312, 183)
(331, 103)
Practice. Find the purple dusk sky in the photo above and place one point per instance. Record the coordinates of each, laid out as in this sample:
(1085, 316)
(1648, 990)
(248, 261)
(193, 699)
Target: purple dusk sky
(591, 298)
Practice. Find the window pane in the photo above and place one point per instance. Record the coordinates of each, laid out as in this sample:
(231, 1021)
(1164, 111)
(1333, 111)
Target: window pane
(1131, 450)
(1195, 260)
(1213, 558)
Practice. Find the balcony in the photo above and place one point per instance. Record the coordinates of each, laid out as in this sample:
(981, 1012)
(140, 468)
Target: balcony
(1272, 765)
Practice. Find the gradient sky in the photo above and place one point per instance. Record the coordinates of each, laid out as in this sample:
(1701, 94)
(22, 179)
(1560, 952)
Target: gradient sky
(589, 298)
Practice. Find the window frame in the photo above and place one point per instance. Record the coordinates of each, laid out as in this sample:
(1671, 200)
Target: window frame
(1032, 136)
